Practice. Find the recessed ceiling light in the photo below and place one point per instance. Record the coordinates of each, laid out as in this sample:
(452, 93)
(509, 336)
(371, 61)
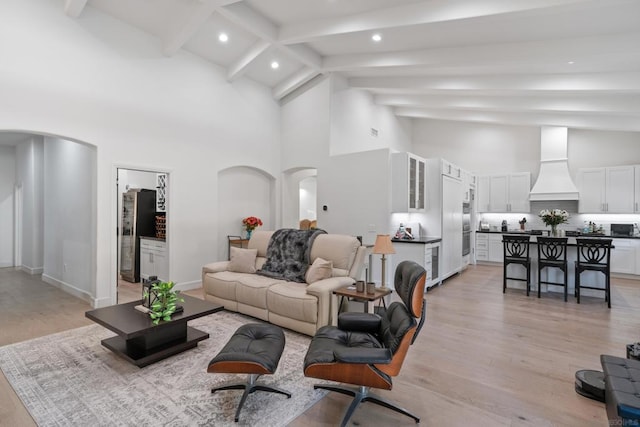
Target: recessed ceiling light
(570, 62)
(275, 65)
(376, 37)
(223, 37)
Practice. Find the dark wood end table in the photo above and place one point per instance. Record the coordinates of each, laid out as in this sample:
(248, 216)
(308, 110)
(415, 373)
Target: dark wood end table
(350, 292)
(140, 342)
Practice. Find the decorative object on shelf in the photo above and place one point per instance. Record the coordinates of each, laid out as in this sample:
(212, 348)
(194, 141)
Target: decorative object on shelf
(250, 223)
(383, 246)
(162, 300)
(161, 227)
(161, 192)
(554, 217)
(522, 222)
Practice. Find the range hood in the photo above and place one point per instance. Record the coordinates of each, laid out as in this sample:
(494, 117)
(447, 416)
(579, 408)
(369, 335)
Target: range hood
(554, 181)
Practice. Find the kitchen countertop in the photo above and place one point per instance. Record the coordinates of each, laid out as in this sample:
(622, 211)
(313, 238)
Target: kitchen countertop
(581, 235)
(423, 240)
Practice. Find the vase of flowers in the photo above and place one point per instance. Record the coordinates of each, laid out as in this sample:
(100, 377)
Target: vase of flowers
(554, 217)
(250, 223)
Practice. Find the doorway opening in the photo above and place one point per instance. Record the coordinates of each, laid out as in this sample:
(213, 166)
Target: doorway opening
(142, 246)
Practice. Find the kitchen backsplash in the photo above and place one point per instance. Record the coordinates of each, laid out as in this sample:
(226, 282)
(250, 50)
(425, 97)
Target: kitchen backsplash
(576, 220)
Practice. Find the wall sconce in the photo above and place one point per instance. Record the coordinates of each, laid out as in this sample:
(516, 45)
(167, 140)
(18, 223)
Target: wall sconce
(383, 246)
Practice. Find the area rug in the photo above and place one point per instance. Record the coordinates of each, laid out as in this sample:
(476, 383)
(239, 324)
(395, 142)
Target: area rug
(70, 379)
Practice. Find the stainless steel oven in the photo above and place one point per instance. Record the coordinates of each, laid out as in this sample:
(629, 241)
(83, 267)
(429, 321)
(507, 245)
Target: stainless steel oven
(466, 229)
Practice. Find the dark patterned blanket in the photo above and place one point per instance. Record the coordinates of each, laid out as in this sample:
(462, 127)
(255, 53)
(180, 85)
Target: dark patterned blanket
(288, 254)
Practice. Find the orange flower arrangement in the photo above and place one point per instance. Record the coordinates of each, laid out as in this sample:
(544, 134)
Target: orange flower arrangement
(251, 223)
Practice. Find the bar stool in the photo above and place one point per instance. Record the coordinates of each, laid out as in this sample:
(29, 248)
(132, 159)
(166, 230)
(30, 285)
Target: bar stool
(552, 252)
(594, 255)
(516, 251)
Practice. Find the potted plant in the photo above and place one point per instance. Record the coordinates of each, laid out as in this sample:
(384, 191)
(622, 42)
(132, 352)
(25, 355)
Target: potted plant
(165, 302)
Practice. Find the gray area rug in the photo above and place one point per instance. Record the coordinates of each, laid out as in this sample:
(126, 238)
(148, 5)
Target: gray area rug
(69, 379)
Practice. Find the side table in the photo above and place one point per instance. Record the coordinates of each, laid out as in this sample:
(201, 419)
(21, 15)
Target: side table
(350, 292)
(237, 242)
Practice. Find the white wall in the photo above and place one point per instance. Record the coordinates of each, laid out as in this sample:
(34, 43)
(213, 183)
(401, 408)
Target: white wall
(69, 223)
(354, 114)
(308, 198)
(29, 175)
(356, 190)
(243, 192)
(488, 148)
(592, 148)
(7, 186)
(479, 147)
(110, 86)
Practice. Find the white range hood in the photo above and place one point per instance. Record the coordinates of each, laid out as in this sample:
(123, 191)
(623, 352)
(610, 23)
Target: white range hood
(554, 181)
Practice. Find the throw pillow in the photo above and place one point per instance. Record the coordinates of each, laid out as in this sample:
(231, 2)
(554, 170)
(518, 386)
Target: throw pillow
(243, 260)
(319, 270)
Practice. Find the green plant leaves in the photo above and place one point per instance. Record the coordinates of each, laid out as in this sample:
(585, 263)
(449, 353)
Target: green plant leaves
(165, 303)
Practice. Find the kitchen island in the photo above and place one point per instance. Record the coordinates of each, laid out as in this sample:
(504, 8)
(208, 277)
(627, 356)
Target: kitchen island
(554, 274)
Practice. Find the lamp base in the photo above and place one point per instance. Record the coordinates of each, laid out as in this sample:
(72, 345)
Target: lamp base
(383, 286)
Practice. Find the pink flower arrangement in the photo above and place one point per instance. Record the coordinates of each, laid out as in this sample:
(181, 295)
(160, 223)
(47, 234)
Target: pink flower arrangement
(251, 223)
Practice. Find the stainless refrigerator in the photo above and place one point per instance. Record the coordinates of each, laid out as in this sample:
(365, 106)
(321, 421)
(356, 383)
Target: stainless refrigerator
(138, 219)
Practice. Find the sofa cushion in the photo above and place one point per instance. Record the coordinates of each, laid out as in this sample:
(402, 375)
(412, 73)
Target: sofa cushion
(251, 289)
(319, 270)
(290, 299)
(339, 248)
(242, 260)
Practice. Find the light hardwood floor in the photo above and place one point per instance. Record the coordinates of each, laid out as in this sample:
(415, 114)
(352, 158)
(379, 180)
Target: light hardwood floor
(482, 359)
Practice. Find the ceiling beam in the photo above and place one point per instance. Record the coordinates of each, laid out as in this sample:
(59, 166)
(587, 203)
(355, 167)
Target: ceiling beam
(196, 15)
(240, 66)
(621, 46)
(573, 120)
(425, 12)
(589, 104)
(293, 82)
(626, 82)
(73, 8)
(258, 25)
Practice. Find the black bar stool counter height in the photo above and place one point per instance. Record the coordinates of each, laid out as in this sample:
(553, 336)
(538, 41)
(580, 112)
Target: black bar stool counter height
(594, 255)
(516, 251)
(552, 253)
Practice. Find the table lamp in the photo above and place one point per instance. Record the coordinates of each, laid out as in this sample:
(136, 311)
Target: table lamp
(383, 246)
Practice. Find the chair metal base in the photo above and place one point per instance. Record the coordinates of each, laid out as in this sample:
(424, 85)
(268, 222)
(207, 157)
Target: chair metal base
(362, 394)
(249, 387)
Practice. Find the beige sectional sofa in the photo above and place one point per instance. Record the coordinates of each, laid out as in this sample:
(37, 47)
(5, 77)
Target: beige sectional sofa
(301, 307)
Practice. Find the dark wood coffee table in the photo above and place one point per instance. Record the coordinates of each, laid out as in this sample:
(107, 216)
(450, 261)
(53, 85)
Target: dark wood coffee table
(141, 342)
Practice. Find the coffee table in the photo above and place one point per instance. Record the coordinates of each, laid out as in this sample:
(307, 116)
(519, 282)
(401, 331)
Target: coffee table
(141, 342)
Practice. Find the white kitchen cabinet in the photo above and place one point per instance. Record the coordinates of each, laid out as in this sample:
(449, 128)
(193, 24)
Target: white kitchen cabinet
(623, 256)
(451, 170)
(504, 192)
(425, 254)
(495, 248)
(451, 226)
(468, 184)
(482, 247)
(610, 190)
(153, 259)
(408, 183)
(484, 201)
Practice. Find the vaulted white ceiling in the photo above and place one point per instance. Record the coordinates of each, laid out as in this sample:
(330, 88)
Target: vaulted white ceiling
(574, 63)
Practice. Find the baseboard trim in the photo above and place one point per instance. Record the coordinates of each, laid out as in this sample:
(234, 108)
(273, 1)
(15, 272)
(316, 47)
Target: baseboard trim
(4, 264)
(186, 286)
(32, 271)
(70, 289)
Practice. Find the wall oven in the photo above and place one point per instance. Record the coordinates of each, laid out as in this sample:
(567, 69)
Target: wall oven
(466, 229)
